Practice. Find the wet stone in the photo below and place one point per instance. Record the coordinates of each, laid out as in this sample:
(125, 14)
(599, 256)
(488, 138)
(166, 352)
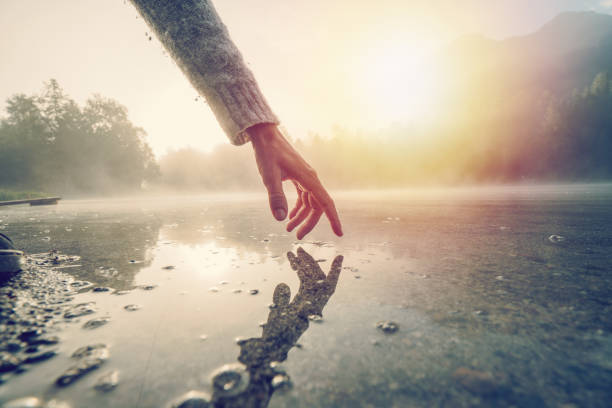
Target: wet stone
(193, 399)
(148, 287)
(107, 382)
(253, 291)
(230, 380)
(387, 326)
(95, 323)
(41, 356)
(77, 371)
(26, 402)
(132, 308)
(30, 334)
(281, 382)
(43, 341)
(315, 318)
(8, 362)
(79, 310)
(168, 267)
(98, 351)
(99, 289)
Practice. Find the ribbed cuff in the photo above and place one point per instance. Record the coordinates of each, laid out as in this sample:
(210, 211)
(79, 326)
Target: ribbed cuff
(245, 106)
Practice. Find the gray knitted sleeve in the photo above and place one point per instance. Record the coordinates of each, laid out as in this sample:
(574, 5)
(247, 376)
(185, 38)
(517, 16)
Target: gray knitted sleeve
(199, 42)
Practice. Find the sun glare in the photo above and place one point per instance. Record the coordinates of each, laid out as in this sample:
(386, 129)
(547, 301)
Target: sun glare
(401, 86)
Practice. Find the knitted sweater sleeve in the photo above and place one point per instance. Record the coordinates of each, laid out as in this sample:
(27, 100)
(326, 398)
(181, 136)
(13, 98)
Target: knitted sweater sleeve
(199, 42)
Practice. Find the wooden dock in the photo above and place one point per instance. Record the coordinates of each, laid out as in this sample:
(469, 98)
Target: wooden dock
(33, 201)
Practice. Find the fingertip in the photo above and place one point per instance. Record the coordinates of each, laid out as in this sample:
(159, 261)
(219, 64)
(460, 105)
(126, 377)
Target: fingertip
(280, 214)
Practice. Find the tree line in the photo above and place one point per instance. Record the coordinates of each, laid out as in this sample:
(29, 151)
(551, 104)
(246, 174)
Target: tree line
(50, 143)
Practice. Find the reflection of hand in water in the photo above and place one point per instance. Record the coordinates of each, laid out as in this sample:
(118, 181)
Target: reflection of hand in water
(287, 321)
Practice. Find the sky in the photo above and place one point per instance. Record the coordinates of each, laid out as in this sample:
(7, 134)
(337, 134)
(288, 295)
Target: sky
(357, 64)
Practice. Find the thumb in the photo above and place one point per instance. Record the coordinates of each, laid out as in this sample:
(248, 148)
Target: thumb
(278, 201)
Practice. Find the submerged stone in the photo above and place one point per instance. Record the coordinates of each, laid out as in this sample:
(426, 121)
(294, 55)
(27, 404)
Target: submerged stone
(99, 351)
(253, 291)
(281, 382)
(478, 382)
(99, 289)
(387, 326)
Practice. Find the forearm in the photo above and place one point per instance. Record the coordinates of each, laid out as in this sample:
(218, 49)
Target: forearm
(194, 35)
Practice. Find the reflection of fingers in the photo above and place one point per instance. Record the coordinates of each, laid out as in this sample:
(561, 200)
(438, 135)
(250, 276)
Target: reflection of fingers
(311, 265)
(282, 295)
(293, 261)
(334, 272)
(309, 224)
(301, 215)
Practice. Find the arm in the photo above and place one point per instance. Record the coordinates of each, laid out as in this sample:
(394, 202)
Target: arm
(194, 35)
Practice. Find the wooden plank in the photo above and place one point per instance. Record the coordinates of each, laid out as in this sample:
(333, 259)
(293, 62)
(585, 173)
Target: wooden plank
(33, 201)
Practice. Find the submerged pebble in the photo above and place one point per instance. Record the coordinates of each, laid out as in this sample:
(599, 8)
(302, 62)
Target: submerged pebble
(99, 289)
(253, 291)
(40, 356)
(8, 362)
(168, 267)
(315, 318)
(281, 382)
(90, 358)
(387, 326)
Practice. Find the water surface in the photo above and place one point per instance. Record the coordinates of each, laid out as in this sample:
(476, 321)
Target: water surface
(492, 310)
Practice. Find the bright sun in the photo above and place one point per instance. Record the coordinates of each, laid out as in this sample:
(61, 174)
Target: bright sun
(401, 86)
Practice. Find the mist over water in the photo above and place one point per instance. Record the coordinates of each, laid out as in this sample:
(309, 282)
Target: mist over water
(443, 295)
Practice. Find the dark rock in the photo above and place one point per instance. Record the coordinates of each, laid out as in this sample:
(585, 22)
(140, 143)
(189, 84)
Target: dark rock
(387, 326)
(8, 362)
(41, 356)
(193, 399)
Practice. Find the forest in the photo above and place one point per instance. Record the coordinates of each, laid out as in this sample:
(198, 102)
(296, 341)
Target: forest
(50, 143)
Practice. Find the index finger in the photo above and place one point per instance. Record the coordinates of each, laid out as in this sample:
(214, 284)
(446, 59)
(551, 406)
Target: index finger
(325, 201)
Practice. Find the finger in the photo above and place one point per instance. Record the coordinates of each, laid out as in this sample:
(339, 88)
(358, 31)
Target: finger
(278, 202)
(293, 261)
(298, 202)
(302, 213)
(309, 224)
(310, 265)
(282, 295)
(334, 272)
(312, 184)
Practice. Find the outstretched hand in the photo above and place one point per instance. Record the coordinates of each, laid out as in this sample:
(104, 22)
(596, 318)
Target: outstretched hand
(278, 161)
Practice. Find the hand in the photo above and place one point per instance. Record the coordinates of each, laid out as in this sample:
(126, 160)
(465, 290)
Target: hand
(278, 161)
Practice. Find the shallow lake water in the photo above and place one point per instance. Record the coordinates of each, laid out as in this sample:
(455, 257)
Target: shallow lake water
(466, 297)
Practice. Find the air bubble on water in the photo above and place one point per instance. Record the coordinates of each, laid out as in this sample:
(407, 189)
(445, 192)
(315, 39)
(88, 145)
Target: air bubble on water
(230, 380)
